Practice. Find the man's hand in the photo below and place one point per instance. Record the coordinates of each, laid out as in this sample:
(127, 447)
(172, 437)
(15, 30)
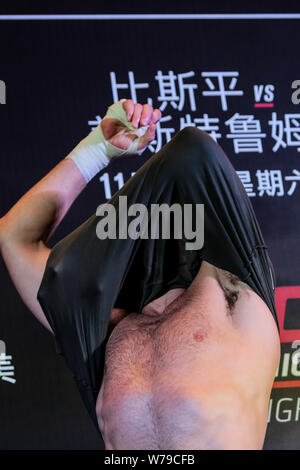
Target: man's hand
(138, 115)
(127, 128)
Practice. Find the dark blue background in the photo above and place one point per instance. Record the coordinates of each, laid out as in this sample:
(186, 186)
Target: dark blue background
(57, 78)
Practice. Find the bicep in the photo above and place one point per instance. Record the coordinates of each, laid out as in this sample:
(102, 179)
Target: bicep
(26, 266)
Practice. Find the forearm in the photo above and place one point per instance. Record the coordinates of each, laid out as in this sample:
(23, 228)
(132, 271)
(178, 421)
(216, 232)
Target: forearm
(37, 214)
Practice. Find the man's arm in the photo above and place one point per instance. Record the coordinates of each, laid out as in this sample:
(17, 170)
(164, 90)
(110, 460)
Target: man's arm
(27, 226)
(25, 229)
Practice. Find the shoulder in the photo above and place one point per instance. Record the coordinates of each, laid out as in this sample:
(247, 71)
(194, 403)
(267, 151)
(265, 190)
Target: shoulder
(252, 319)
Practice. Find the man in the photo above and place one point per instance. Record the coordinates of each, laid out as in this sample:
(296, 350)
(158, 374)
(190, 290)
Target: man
(170, 348)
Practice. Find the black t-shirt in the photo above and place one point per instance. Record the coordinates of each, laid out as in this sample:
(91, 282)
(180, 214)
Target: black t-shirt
(86, 277)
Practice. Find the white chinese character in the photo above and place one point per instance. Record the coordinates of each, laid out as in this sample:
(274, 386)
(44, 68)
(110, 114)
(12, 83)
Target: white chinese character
(270, 182)
(245, 178)
(168, 93)
(220, 90)
(157, 144)
(167, 89)
(292, 133)
(132, 86)
(204, 124)
(186, 86)
(95, 122)
(294, 180)
(277, 132)
(291, 130)
(6, 367)
(246, 133)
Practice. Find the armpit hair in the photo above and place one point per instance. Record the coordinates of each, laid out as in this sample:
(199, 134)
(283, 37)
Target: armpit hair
(230, 285)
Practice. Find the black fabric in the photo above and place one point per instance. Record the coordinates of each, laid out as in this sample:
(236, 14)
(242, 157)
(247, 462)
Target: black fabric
(86, 277)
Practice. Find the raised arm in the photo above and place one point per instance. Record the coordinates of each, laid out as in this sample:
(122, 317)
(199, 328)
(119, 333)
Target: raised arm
(27, 226)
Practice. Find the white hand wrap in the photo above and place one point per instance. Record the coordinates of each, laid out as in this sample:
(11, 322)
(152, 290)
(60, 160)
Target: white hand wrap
(94, 152)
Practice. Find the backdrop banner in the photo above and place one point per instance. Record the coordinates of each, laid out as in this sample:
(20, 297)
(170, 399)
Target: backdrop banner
(236, 79)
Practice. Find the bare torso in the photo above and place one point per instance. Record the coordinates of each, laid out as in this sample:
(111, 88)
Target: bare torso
(194, 370)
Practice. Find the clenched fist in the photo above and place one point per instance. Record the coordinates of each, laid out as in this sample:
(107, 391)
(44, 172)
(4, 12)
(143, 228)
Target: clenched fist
(124, 120)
